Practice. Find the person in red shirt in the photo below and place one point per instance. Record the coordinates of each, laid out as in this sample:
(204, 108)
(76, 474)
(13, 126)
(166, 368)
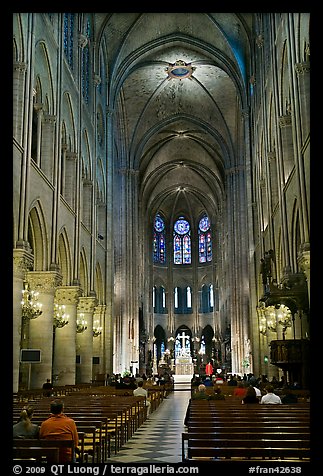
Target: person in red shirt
(209, 369)
(58, 426)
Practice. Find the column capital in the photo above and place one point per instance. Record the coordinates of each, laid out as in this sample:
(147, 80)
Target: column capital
(100, 308)
(302, 68)
(68, 294)
(44, 281)
(87, 304)
(20, 66)
(49, 118)
(96, 79)
(304, 258)
(23, 261)
(82, 40)
(71, 155)
(285, 121)
(271, 156)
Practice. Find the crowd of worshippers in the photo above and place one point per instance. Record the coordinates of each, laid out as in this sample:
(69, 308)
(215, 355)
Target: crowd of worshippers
(131, 381)
(235, 380)
(248, 388)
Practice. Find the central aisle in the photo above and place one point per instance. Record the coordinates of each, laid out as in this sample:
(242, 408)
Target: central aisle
(159, 439)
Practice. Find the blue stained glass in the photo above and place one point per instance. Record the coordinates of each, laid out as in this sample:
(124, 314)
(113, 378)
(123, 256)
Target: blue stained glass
(204, 223)
(159, 243)
(69, 37)
(182, 226)
(159, 223)
(187, 249)
(205, 240)
(177, 250)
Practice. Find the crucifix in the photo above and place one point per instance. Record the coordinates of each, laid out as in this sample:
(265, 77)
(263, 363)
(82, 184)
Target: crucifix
(185, 349)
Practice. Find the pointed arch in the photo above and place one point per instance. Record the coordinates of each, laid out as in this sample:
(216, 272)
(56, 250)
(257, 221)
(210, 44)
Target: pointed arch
(84, 273)
(182, 252)
(159, 239)
(99, 284)
(37, 236)
(64, 257)
(204, 239)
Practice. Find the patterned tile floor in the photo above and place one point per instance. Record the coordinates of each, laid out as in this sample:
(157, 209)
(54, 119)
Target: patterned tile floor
(158, 440)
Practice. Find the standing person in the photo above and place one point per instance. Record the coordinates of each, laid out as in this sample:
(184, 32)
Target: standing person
(58, 426)
(47, 387)
(270, 397)
(140, 391)
(209, 369)
(24, 428)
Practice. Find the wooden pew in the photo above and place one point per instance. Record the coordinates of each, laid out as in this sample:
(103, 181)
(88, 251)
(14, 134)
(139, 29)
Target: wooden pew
(37, 453)
(42, 443)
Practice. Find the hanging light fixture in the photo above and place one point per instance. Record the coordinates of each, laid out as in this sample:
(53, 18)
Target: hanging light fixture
(60, 318)
(81, 324)
(31, 309)
(97, 329)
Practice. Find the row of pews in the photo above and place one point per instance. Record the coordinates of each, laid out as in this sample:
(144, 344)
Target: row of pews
(229, 431)
(105, 418)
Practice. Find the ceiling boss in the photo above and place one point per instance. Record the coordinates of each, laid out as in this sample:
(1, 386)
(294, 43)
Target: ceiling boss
(180, 70)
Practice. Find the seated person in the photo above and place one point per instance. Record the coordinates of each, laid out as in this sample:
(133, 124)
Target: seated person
(58, 426)
(251, 396)
(24, 428)
(217, 395)
(201, 393)
(140, 391)
(240, 390)
(270, 397)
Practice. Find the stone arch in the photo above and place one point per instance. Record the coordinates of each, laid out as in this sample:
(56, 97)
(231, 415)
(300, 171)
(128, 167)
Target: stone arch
(37, 237)
(99, 284)
(64, 258)
(84, 273)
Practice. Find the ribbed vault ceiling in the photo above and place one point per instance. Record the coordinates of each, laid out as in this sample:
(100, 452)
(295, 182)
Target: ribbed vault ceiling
(181, 134)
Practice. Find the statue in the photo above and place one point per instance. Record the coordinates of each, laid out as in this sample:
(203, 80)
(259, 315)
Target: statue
(265, 268)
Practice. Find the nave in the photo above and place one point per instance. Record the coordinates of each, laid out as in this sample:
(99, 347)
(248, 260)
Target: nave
(158, 440)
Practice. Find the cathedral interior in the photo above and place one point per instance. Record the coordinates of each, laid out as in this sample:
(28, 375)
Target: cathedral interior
(161, 193)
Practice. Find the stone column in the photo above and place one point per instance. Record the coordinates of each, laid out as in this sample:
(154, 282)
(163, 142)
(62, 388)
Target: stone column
(303, 76)
(304, 260)
(22, 261)
(98, 341)
(18, 89)
(65, 338)
(41, 329)
(285, 124)
(84, 340)
(48, 145)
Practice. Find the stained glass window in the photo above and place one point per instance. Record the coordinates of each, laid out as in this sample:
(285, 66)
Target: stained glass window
(159, 241)
(182, 242)
(207, 298)
(205, 240)
(69, 38)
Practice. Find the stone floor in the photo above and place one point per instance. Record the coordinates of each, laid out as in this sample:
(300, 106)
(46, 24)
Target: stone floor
(158, 440)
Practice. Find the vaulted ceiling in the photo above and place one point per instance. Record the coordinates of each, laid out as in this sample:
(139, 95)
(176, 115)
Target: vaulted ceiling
(180, 83)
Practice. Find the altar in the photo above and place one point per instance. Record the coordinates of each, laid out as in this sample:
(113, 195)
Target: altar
(184, 366)
(183, 360)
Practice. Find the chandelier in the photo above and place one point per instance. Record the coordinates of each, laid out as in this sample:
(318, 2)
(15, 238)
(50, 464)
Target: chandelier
(81, 324)
(31, 309)
(262, 319)
(60, 318)
(97, 330)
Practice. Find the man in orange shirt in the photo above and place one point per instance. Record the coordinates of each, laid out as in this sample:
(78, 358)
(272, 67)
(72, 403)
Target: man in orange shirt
(58, 426)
